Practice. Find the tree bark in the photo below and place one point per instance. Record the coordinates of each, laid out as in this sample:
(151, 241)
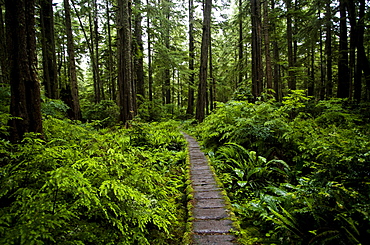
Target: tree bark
(190, 108)
(266, 23)
(4, 67)
(343, 69)
(139, 53)
(25, 88)
(50, 73)
(202, 88)
(240, 43)
(150, 69)
(362, 60)
(74, 112)
(257, 70)
(167, 70)
(328, 51)
(125, 61)
(277, 81)
(291, 79)
(111, 80)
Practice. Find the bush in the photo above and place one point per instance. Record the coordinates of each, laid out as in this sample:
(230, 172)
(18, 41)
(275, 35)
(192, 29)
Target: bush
(81, 186)
(296, 173)
(106, 112)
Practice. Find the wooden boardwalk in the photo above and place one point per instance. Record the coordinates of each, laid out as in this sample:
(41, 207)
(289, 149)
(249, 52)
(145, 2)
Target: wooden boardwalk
(211, 224)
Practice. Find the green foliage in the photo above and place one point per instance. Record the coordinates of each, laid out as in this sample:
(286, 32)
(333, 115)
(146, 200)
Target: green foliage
(105, 113)
(54, 108)
(296, 173)
(81, 186)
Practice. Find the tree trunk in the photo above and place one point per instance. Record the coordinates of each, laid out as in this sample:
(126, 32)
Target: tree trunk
(212, 87)
(125, 61)
(257, 70)
(139, 53)
(25, 88)
(328, 52)
(362, 60)
(93, 51)
(343, 69)
(240, 44)
(4, 67)
(266, 29)
(74, 112)
(190, 108)
(277, 86)
(50, 79)
(150, 69)
(202, 88)
(291, 78)
(111, 80)
(166, 36)
(322, 66)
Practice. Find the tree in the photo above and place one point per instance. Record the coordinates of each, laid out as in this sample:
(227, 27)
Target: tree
(343, 69)
(150, 69)
(111, 80)
(50, 78)
(328, 50)
(3, 55)
(125, 81)
(190, 108)
(202, 88)
(266, 35)
(25, 102)
(139, 52)
(257, 67)
(72, 99)
(240, 44)
(289, 33)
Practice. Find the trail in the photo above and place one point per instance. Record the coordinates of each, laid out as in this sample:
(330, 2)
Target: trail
(211, 224)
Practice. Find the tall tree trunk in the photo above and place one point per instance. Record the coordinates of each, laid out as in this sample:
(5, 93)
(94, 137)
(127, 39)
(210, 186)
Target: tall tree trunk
(150, 68)
(74, 112)
(311, 83)
(362, 60)
(240, 43)
(139, 53)
(125, 61)
(202, 88)
(25, 102)
(322, 66)
(111, 79)
(212, 87)
(266, 32)
(291, 78)
(328, 51)
(100, 88)
(343, 69)
(277, 86)
(257, 70)
(4, 68)
(167, 68)
(50, 78)
(190, 108)
(354, 74)
(94, 52)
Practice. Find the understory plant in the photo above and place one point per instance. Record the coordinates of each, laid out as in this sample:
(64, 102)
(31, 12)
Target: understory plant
(297, 172)
(80, 185)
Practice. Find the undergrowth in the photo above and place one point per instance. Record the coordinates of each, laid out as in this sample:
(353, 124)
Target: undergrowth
(296, 172)
(80, 185)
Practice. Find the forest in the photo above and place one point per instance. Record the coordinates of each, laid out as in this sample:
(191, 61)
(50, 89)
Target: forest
(94, 95)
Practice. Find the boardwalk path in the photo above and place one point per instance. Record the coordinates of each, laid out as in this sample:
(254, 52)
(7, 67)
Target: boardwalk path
(211, 224)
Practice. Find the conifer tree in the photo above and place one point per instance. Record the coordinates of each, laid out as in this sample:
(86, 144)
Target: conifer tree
(25, 88)
(202, 87)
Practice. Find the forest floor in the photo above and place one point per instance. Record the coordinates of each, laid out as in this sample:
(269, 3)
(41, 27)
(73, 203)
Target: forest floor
(211, 217)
